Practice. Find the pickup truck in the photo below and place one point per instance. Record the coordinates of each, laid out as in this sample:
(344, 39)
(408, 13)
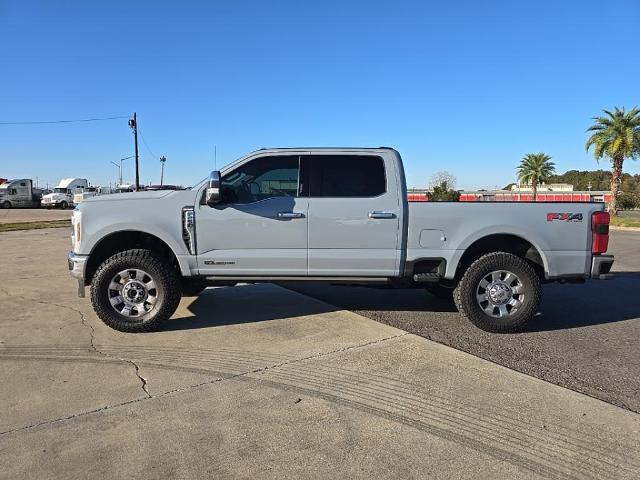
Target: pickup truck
(334, 215)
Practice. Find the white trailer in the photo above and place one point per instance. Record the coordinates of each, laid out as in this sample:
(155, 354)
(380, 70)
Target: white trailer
(62, 195)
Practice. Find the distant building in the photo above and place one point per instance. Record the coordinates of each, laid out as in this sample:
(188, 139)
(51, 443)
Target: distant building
(551, 187)
(546, 193)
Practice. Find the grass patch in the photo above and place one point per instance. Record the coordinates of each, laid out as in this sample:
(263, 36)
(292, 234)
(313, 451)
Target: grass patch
(12, 227)
(625, 222)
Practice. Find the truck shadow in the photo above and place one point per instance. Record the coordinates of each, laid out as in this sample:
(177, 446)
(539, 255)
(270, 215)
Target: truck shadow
(251, 303)
(563, 306)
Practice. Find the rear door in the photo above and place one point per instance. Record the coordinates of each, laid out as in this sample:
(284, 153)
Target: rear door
(354, 214)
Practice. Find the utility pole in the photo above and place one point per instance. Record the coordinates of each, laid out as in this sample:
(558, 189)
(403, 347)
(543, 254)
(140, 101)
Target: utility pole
(162, 160)
(133, 123)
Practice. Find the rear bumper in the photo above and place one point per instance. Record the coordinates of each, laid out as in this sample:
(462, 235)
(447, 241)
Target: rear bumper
(77, 266)
(601, 266)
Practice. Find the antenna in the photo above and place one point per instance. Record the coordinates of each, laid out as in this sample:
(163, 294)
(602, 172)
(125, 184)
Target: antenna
(215, 157)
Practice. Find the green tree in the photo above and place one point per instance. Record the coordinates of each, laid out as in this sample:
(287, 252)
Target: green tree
(616, 137)
(534, 169)
(443, 193)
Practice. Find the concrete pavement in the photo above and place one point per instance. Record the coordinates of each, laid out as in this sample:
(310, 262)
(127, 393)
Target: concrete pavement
(257, 381)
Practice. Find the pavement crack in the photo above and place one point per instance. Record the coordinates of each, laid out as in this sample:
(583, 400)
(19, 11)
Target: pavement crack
(92, 335)
(189, 387)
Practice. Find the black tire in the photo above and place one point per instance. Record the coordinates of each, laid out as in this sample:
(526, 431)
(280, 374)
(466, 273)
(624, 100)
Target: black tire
(192, 287)
(440, 291)
(6, 204)
(465, 293)
(64, 205)
(167, 282)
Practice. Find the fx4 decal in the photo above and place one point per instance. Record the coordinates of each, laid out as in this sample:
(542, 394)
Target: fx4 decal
(564, 217)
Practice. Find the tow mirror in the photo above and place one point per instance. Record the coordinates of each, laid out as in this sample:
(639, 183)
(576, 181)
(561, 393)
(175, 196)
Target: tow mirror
(213, 196)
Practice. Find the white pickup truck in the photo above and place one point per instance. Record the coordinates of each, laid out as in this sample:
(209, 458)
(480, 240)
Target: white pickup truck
(334, 215)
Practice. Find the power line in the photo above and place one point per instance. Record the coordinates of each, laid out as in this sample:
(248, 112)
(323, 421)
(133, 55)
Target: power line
(145, 143)
(64, 121)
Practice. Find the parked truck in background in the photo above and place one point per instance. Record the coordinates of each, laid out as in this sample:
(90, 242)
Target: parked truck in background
(62, 195)
(333, 215)
(19, 193)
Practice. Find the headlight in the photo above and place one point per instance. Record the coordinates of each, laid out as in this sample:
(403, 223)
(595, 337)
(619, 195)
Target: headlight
(76, 230)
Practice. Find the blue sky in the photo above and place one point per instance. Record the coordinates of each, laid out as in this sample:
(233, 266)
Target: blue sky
(464, 86)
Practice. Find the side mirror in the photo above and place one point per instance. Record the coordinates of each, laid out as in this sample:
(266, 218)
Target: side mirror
(213, 195)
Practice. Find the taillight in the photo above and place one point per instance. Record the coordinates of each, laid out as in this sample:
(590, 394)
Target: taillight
(599, 232)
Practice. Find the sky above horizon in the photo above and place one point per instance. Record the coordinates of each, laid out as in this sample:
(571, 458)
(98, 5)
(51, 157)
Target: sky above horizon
(463, 86)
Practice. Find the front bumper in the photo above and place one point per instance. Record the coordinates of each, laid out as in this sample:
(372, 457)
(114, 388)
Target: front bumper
(77, 266)
(601, 266)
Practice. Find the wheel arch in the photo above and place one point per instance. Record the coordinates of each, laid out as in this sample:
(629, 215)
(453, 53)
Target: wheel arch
(126, 240)
(503, 242)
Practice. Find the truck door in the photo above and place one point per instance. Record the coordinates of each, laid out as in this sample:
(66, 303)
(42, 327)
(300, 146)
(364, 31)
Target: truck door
(260, 227)
(354, 213)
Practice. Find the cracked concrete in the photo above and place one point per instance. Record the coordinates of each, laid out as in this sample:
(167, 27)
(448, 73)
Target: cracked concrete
(261, 382)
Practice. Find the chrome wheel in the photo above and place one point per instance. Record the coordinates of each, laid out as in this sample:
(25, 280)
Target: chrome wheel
(500, 293)
(133, 293)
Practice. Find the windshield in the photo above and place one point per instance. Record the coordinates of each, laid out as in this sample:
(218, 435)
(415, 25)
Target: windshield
(59, 190)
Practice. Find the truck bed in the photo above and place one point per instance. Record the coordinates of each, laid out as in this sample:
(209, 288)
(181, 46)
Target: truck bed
(560, 231)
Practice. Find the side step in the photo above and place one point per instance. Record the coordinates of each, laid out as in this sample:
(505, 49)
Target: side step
(426, 277)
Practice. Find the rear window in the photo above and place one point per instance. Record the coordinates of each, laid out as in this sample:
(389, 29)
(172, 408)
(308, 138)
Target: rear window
(346, 176)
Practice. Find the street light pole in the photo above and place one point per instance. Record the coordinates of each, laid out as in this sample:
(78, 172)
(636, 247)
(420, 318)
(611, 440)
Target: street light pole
(120, 168)
(162, 160)
(119, 165)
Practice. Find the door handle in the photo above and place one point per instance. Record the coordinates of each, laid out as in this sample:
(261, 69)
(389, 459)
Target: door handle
(378, 214)
(290, 215)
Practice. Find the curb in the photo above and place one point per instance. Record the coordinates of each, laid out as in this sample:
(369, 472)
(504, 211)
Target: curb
(628, 229)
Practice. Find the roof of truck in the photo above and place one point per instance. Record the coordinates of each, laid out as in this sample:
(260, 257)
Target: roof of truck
(65, 182)
(324, 148)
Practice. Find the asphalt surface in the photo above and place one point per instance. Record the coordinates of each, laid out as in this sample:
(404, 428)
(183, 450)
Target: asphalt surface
(586, 337)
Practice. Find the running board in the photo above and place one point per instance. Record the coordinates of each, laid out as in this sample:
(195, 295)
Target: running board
(225, 278)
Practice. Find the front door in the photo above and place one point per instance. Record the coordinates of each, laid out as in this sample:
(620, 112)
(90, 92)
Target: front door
(260, 227)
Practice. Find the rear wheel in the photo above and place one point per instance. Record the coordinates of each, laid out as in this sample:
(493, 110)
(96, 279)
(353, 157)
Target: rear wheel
(500, 292)
(135, 290)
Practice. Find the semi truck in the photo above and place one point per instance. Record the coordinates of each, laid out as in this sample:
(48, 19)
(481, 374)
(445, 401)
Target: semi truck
(62, 195)
(19, 193)
(332, 215)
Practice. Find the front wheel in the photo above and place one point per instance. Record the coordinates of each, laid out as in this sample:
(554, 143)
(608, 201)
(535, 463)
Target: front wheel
(135, 290)
(500, 292)
(6, 204)
(64, 205)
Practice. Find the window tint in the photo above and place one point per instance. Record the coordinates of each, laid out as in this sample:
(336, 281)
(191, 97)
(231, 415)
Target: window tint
(265, 177)
(346, 176)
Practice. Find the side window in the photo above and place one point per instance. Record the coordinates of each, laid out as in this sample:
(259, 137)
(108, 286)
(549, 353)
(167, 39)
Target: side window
(262, 178)
(346, 176)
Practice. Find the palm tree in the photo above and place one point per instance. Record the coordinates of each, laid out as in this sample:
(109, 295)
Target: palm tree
(534, 169)
(616, 136)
